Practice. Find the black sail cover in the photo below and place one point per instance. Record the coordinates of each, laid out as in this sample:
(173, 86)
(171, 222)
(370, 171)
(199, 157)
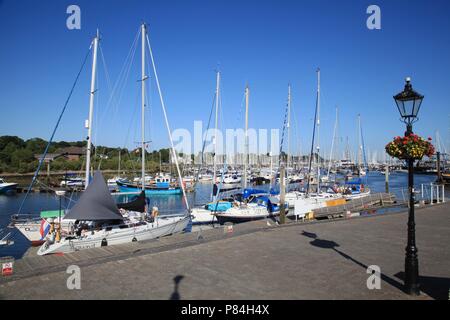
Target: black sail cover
(137, 204)
(96, 203)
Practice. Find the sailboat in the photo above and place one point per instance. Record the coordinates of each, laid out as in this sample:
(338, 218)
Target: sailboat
(361, 167)
(258, 204)
(204, 214)
(98, 219)
(303, 200)
(99, 223)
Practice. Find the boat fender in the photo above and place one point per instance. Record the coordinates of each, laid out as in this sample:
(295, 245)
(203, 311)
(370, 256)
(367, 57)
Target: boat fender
(104, 242)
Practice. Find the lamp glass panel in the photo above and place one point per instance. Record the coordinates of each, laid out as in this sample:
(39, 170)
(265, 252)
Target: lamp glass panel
(401, 107)
(409, 108)
(417, 104)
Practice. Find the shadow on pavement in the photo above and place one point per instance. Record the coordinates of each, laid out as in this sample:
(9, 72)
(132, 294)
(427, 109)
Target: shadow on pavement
(329, 244)
(436, 287)
(175, 294)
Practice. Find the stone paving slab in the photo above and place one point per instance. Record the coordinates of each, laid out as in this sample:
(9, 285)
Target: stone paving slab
(301, 261)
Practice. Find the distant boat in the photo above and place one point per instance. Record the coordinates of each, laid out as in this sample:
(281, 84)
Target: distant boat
(161, 187)
(72, 181)
(205, 177)
(205, 214)
(6, 187)
(259, 207)
(354, 189)
(229, 178)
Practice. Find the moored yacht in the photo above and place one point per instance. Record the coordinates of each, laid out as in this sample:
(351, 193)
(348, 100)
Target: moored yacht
(99, 223)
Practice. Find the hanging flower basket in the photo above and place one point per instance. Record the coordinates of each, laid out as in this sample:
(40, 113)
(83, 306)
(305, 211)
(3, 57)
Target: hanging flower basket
(411, 146)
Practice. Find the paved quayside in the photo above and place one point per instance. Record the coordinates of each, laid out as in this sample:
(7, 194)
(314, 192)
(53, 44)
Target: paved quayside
(321, 260)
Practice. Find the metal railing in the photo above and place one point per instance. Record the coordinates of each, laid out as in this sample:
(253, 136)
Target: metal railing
(426, 193)
(5, 237)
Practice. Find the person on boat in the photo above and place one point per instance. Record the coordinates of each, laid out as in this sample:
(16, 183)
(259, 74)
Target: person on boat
(154, 214)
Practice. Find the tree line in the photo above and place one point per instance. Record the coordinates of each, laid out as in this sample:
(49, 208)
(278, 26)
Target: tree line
(19, 156)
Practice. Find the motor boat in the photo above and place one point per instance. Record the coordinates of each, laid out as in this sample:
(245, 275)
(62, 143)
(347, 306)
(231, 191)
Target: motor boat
(7, 187)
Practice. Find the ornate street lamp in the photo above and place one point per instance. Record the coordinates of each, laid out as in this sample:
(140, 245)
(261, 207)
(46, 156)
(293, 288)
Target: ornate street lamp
(408, 103)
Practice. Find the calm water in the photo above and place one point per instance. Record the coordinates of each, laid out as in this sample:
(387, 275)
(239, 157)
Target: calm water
(37, 202)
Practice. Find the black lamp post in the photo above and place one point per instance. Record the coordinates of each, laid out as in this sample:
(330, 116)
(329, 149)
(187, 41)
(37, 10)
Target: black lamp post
(408, 103)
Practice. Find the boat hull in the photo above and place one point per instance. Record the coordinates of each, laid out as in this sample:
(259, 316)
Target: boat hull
(202, 216)
(151, 191)
(163, 226)
(245, 215)
(8, 188)
(356, 195)
(32, 229)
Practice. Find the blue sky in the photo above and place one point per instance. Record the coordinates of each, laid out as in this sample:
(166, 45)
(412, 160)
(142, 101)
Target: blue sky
(266, 44)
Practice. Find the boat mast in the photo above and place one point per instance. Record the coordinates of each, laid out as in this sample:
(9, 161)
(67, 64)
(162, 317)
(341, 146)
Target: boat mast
(118, 172)
(144, 77)
(91, 109)
(332, 144)
(289, 132)
(216, 125)
(318, 130)
(359, 145)
(246, 136)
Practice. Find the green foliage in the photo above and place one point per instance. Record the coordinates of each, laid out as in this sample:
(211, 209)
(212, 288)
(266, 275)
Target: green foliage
(19, 156)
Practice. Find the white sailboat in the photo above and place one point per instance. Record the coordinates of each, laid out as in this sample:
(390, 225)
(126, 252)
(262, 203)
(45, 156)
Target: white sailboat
(361, 167)
(101, 224)
(304, 200)
(99, 221)
(202, 215)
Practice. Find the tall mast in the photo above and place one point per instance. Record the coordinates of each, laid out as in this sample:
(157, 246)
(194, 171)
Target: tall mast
(118, 172)
(246, 136)
(289, 132)
(216, 124)
(91, 109)
(318, 130)
(332, 143)
(143, 33)
(359, 143)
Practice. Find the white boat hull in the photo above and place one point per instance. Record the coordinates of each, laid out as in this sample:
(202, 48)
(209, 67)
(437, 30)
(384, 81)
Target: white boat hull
(32, 229)
(202, 216)
(244, 214)
(357, 195)
(163, 226)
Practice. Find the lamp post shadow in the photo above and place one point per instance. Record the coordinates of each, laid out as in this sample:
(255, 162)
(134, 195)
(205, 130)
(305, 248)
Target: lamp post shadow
(329, 244)
(435, 287)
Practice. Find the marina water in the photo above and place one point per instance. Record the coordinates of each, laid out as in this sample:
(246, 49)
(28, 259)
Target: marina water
(167, 204)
